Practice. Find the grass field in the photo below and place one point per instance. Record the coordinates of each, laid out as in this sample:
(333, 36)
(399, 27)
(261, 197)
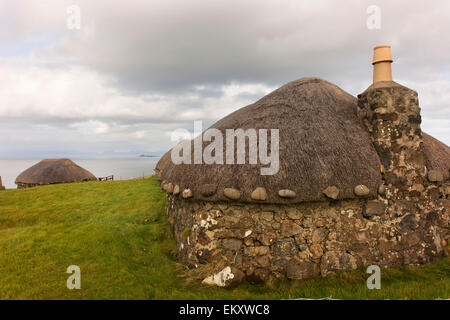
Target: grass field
(118, 235)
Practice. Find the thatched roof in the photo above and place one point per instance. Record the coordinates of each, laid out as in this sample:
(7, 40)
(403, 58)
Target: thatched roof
(54, 171)
(437, 155)
(322, 144)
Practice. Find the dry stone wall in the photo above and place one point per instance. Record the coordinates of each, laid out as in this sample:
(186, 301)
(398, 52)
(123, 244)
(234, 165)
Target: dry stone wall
(260, 241)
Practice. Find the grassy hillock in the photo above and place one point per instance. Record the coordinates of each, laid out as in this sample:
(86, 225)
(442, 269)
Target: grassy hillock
(116, 232)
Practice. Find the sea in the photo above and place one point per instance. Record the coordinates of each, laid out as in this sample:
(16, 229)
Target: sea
(121, 168)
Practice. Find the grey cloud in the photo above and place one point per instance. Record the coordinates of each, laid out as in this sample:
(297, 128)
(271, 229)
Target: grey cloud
(162, 47)
(180, 55)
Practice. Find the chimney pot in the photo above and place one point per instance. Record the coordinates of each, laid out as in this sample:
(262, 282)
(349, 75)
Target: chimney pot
(381, 61)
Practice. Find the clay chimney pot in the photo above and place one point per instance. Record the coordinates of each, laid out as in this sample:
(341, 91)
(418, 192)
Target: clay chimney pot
(382, 60)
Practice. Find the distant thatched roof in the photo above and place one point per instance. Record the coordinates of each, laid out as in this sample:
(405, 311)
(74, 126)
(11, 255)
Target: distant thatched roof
(322, 144)
(54, 171)
(437, 155)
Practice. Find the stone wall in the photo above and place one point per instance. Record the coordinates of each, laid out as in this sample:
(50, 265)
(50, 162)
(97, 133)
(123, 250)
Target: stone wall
(26, 185)
(260, 241)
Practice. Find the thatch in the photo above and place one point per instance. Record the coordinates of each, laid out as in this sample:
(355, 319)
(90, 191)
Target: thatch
(54, 171)
(163, 164)
(322, 144)
(437, 155)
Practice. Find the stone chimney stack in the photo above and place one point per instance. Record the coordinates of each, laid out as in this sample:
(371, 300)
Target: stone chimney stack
(391, 114)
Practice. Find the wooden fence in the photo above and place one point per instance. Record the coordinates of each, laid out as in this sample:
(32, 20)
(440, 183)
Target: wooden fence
(108, 178)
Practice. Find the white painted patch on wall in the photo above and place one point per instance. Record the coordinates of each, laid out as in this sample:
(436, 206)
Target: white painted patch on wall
(220, 278)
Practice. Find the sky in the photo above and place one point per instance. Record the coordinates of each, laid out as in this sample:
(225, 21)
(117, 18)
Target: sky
(131, 72)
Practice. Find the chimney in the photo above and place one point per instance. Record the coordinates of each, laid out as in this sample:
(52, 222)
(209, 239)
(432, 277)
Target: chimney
(391, 114)
(382, 60)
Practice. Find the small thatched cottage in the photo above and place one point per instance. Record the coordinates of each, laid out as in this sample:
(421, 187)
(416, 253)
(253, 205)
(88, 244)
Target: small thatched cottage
(51, 171)
(358, 183)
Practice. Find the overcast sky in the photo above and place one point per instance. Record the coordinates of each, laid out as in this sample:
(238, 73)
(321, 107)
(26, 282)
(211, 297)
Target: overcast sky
(136, 70)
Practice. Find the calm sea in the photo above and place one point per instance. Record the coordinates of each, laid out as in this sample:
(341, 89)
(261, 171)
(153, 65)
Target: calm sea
(126, 168)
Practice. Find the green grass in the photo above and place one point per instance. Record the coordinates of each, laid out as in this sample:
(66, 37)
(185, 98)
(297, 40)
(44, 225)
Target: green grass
(117, 233)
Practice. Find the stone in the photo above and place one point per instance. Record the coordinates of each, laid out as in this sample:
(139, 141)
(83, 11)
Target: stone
(290, 228)
(418, 187)
(286, 193)
(319, 235)
(408, 223)
(307, 222)
(285, 248)
(303, 255)
(238, 278)
(293, 213)
(386, 245)
(187, 193)
(256, 251)
(247, 233)
(301, 269)
(169, 188)
(361, 190)
(435, 176)
(331, 192)
(267, 215)
(267, 238)
(332, 261)
(447, 251)
(215, 255)
(259, 194)
(208, 190)
(382, 189)
(232, 244)
(410, 239)
(320, 223)
(316, 251)
(176, 190)
(203, 255)
(232, 193)
(373, 208)
(259, 275)
(263, 261)
(203, 238)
